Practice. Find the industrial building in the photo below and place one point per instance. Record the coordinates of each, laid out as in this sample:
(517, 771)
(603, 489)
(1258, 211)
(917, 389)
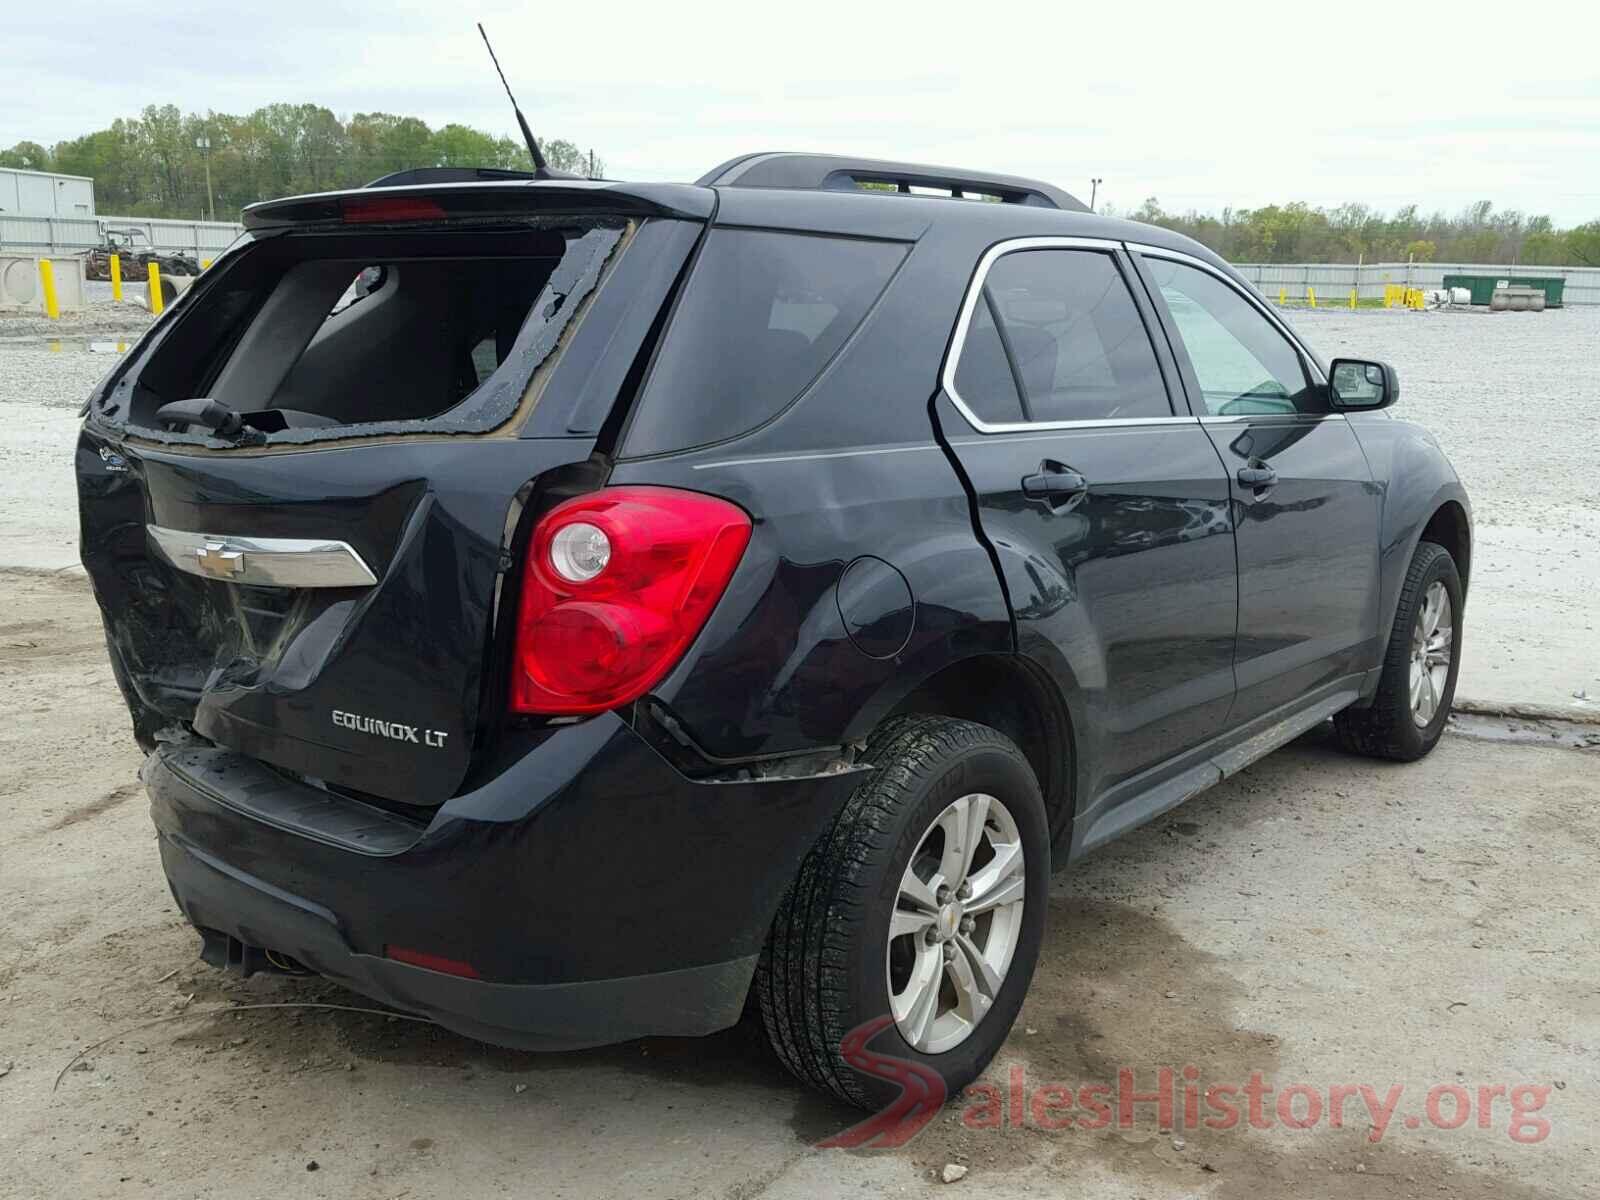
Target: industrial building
(45, 194)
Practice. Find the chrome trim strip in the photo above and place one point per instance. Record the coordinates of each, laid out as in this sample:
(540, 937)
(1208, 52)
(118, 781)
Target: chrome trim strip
(1250, 294)
(1256, 418)
(859, 452)
(1087, 423)
(970, 301)
(263, 562)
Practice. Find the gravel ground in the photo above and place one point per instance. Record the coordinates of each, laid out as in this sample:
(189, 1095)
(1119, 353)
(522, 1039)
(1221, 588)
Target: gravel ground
(1320, 919)
(102, 316)
(1514, 399)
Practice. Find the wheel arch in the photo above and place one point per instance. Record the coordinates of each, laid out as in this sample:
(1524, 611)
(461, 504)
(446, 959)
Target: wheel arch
(1450, 527)
(1007, 692)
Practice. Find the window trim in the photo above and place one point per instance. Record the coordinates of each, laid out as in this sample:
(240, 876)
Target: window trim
(976, 291)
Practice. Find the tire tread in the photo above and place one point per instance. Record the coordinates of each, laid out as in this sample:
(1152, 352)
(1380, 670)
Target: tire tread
(801, 981)
(1376, 731)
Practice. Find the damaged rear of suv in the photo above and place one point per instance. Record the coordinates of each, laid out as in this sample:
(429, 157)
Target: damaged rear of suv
(323, 457)
(397, 715)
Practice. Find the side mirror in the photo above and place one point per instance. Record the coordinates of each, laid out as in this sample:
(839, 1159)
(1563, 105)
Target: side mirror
(1356, 385)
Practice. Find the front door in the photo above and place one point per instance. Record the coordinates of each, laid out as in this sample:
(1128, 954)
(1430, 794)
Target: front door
(1306, 508)
(1106, 508)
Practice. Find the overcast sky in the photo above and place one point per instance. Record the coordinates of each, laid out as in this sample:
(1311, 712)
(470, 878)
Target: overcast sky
(1199, 104)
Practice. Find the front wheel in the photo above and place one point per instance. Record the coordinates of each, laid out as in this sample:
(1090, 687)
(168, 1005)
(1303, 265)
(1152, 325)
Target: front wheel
(920, 912)
(1408, 714)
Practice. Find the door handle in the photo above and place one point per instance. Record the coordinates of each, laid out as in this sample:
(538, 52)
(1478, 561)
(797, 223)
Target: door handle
(1054, 486)
(1257, 477)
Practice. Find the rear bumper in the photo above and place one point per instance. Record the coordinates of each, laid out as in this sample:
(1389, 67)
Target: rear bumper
(598, 893)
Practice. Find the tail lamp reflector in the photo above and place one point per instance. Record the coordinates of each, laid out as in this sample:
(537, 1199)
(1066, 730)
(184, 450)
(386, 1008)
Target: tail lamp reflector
(615, 587)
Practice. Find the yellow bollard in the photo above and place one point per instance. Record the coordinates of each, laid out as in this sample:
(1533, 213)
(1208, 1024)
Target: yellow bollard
(155, 290)
(47, 280)
(204, 263)
(1352, 298)
(1311, 295)
(1283, 297)
(116, 278)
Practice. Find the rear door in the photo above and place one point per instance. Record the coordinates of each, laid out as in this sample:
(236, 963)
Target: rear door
(319, 588)
(1306, 506)
(1105, 505)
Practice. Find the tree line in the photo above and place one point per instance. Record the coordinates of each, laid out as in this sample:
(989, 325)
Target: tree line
(1350, 233)
(154, 165)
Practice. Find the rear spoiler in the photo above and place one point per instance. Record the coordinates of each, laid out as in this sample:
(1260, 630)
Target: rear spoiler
(419, 175)
(517, 196)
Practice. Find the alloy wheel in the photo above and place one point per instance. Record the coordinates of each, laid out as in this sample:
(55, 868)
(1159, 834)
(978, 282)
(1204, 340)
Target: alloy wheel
(956, 923)
(1432, 644)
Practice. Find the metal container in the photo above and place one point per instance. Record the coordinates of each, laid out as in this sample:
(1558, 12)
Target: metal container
(1517, 299)
(1551, 285)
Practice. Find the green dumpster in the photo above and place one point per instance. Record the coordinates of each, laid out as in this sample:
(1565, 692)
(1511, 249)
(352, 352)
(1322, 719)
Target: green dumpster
(1481, 286)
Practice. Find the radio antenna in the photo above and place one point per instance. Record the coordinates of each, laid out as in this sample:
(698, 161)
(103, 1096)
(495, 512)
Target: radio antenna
(539, 165)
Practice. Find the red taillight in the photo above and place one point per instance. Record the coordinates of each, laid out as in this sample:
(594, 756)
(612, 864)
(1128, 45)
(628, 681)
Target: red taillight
(629, 586)
(433, 962)
(374, 209)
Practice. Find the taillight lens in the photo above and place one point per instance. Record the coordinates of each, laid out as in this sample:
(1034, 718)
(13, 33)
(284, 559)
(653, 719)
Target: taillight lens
(616, 585)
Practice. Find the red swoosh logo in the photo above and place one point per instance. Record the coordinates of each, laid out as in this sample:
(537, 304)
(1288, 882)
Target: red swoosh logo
(922, 1093)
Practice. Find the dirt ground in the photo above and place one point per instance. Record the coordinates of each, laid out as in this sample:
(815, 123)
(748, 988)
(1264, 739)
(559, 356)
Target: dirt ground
(1319, 919)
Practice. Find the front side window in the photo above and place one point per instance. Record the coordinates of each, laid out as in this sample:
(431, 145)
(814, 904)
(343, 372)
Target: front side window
(1243, 364)
(1056, 336)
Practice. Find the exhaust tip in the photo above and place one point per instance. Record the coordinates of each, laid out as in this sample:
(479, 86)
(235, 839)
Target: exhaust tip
(227, 952)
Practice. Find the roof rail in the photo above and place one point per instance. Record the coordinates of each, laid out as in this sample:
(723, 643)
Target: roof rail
(447, 175)
(836, 172)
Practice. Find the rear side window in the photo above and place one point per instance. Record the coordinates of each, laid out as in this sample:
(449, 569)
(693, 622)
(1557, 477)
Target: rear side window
(1067, 326)
(761, 316)
(984, 376)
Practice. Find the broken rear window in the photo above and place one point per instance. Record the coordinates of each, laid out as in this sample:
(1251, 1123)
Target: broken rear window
(317, 335)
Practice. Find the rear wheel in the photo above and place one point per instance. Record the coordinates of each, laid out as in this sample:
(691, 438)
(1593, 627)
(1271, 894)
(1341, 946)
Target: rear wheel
(1409, 712)
(922, 907)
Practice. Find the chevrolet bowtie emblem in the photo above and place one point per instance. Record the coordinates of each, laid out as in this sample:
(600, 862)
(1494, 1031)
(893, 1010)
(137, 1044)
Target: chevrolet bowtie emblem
(218, 561)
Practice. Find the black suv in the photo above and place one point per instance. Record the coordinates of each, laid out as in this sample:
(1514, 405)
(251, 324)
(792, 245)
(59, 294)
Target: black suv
(569, 610)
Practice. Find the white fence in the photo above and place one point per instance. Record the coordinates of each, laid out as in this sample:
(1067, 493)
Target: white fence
(1333, 281)
(68, 235)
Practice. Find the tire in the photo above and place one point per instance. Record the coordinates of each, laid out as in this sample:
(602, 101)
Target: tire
(1389, 727)
(825, 970)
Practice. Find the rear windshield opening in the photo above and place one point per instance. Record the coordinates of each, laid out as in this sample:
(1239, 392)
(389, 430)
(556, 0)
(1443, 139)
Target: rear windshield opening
(318, 334)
